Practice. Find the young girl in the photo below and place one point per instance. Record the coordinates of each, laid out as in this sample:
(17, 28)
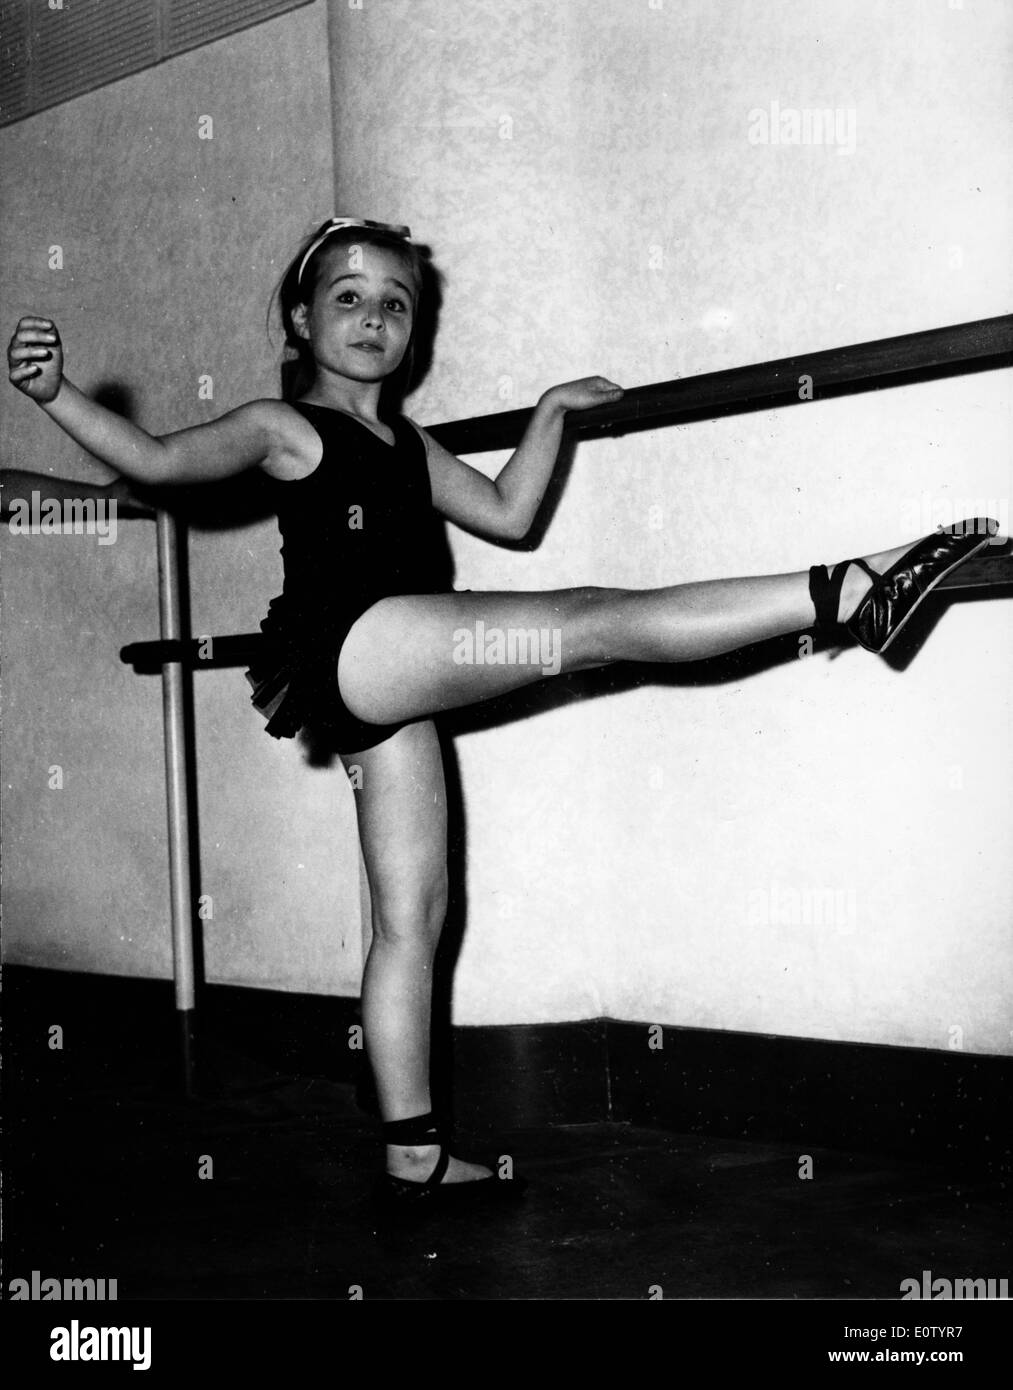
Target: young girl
(367, 643)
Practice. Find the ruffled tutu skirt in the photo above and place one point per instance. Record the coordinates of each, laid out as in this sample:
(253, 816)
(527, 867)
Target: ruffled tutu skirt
(295, 684)
(295, 681)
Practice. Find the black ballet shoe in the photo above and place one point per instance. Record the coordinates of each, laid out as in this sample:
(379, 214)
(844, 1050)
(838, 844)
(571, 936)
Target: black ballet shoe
(401, 1201)
(895, 594)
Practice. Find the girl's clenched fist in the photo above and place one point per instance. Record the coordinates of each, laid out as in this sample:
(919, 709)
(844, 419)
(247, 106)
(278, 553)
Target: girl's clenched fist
(35, 359)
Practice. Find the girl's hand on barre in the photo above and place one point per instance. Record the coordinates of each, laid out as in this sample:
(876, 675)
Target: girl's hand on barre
(583, 394)
(35, 359)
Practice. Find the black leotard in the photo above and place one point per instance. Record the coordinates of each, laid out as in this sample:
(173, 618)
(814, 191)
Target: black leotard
(358, 528)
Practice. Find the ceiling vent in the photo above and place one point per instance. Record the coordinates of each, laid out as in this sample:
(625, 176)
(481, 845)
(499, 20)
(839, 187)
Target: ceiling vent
(53, 50)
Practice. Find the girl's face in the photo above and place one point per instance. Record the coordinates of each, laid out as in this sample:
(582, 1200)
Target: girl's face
(361, 314)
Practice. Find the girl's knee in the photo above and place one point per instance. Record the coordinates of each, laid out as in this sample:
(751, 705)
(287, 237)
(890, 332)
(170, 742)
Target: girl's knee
(414, 917)
(596, 613)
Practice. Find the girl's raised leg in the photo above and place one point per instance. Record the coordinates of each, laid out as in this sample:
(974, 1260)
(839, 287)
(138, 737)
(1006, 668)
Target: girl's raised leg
(412, 656)
(402, 814)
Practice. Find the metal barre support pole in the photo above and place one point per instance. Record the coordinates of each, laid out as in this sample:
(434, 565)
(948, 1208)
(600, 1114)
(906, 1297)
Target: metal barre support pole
(180, 890)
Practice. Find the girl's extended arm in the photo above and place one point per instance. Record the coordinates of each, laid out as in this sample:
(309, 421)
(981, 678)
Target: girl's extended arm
(223, 447)
(257, 433)
(507, 506)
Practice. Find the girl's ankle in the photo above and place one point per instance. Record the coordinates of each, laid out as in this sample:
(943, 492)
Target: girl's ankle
(856, 585)
(414, 1162)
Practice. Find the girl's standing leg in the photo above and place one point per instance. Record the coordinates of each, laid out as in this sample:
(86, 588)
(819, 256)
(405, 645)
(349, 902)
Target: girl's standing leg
(402, 814)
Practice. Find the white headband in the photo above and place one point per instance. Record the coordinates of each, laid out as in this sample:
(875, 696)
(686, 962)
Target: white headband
(337, 223)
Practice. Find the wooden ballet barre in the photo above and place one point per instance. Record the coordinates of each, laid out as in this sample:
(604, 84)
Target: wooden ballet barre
(983, 345)
(197, 653)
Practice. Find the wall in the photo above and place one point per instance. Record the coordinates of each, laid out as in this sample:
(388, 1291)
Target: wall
(585, 175)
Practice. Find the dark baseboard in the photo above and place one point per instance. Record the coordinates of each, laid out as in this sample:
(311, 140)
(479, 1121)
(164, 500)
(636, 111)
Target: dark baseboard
(942, 1107)
(939, 1106)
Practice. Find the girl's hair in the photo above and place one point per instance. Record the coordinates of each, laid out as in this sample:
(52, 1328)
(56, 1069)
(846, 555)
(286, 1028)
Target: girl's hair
(298, 367)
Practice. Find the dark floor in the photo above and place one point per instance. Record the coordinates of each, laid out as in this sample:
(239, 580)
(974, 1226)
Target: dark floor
(102, 1181)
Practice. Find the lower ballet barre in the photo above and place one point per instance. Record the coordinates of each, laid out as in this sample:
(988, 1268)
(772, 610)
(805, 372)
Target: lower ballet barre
(991, 569)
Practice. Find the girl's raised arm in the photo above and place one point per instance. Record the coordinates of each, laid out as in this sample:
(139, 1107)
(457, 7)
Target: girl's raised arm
(506, 507)
(257, 433)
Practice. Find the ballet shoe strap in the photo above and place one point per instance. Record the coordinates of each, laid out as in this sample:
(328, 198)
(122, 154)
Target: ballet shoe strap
(825, 591)
(868, 569)
(415, 1130)
(419, 1130)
